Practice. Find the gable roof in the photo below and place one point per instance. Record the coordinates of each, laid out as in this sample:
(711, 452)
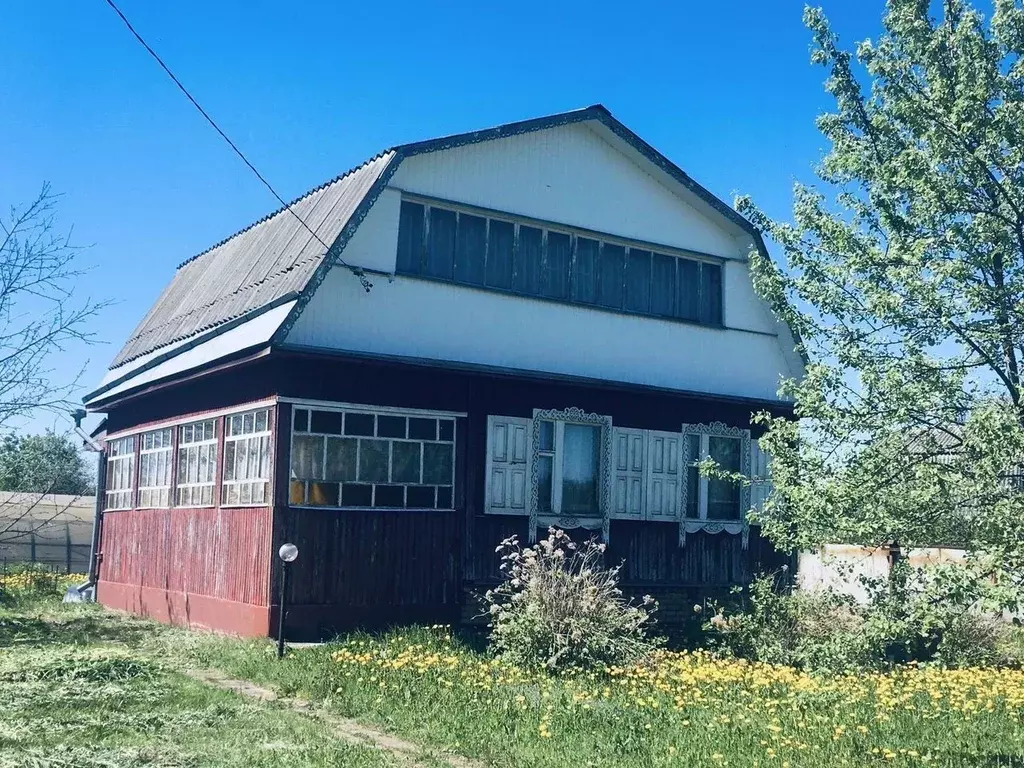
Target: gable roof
(276, 259)
(262, 264)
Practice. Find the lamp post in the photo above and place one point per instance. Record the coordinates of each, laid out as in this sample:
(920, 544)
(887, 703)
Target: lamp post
(287, 553)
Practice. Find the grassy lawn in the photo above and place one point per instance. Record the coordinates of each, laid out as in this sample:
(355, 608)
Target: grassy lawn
(684, 710)
(79, 686)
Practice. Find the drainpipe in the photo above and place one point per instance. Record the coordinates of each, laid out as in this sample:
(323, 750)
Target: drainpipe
(87, 592)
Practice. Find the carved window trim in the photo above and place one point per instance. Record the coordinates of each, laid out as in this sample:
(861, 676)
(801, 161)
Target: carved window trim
(572, 416)
(693, 525)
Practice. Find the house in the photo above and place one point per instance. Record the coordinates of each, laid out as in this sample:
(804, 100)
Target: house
(544, 323)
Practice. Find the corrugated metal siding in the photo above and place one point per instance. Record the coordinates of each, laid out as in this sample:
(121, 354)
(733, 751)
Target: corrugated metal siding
(271, 259)
(217, 553)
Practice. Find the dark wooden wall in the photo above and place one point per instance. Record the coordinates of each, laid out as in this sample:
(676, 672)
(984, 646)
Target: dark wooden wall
(372, 568)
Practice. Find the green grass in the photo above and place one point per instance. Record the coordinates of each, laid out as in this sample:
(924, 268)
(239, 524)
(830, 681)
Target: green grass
(686, 710)
(80, 687)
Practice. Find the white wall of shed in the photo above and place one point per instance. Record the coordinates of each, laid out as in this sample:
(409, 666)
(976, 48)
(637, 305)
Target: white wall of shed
(840, 567)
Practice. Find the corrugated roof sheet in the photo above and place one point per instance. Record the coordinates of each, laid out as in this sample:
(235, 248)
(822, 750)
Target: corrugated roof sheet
(271, 259)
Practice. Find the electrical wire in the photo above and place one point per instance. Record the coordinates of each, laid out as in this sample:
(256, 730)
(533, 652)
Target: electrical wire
(355, 270)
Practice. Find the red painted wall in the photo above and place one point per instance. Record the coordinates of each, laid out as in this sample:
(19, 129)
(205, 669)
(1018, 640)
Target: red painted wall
(194, 567)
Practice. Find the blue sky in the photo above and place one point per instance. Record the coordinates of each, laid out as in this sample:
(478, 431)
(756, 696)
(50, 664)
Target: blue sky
(309, 89)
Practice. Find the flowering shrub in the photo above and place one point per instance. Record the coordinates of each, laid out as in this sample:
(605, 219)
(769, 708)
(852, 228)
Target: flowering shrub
(560, 607)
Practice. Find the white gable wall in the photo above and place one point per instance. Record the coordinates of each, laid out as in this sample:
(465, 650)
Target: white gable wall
(565, 175)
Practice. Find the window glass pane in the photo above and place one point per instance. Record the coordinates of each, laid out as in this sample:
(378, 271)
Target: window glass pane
(229, 460)
(355, 495)
(447, 430)
(297, 492)
(444, 498)
(711, 294)
(609, 292)
(419, 497)
(584, 278)
(663, 284)
(341, 459)
(373, 461)
(410, 238)
(405, 466)
(389, 496)
(437, 463)
(725, 451)
(326, 422)
(526, 278)
(638, 280)
(441, 250)
(688, 290)
(262, 421)
(307, 457)
(390, 426)
(300, 420)
(500, 243)
(470, 249)
(323, 494)
(547, 435)
(580, 460)
(555, 274)
(359, 424)
(724, 495)
(423, 429)
(544, 464)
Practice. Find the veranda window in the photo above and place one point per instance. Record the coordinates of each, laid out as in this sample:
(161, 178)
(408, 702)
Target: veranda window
(361, 458)
(247, 458)
(120, 472)
(197, 463)
(155, 460)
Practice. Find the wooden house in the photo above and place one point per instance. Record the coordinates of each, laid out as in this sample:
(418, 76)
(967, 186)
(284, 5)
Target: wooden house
(544, 323)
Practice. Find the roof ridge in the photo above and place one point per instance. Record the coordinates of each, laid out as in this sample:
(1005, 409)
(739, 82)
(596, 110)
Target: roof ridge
(288, 205)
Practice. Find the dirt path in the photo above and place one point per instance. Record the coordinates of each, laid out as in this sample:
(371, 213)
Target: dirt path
(347, 729)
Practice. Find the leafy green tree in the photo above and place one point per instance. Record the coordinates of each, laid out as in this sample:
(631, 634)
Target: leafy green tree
(904, 279)
(47, 463)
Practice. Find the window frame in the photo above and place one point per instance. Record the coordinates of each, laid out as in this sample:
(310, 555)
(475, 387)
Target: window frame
(344, 409)
(555, 516)
(171, 479)
(715, 309)
(180, 469)
(267, 481)
(128, 456)
(692, 524)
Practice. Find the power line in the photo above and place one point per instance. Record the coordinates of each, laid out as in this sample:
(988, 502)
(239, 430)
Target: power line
(355, 270)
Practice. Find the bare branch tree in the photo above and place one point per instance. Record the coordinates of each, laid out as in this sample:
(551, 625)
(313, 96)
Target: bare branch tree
(41, 317)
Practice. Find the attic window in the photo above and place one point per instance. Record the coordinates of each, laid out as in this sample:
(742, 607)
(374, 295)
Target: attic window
(444, 242)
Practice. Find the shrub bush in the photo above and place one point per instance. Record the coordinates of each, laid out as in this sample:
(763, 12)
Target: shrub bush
(559, 607)
(826, 631)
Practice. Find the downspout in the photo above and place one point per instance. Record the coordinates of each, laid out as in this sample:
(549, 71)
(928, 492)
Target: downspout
(87, 592)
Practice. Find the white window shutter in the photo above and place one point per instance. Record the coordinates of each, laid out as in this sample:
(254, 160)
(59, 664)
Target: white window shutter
(508, 465)
(664, 472)
(760, 476)
(628, 453)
